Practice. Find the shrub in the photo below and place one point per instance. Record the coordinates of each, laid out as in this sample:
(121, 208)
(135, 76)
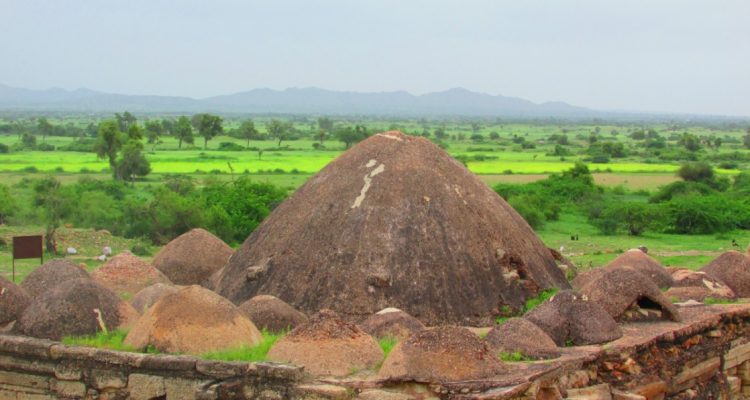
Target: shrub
(45, 147)
(633, 217)
(4, 149)
(82, 146)
(696, 172)
(230, 146)
(681, 188)
(600, 159)
(28, 141)
(140, 249)
(7, 204)
(235, 209)
(531, 214)
(704, 214)
(95, 209)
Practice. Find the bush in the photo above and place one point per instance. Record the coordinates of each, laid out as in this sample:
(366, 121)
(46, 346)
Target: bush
(632, 217)
(140, 249)
(45, 147)
(97, 210)
(600, 159)
(531, 214)
(7, 204)
(4, 149)
(85, 145)
(681, 188)
(696, 172)
(235, 209)
(230, 146)
(28, 141)
(706, 214)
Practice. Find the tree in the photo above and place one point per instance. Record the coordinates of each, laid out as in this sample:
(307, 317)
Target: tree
(183, 131)
(135, 132)
(248, 131)
(690, 141)
(109, 142)
(45, 128)
(696, 172)
(7, 204)
(350, 135)
(634, 217)
(50, 198)
(28, 140)
(279, 130)
(746, 139)
(167, 126)
(132, 162)
(325, 127)
(208, 126)
(440, 133)
(154, 129)
(125, 120)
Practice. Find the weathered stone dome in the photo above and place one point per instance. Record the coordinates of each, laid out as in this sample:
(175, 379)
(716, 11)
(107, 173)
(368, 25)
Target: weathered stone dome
(394, 222)
(191, 258)
(193, 320)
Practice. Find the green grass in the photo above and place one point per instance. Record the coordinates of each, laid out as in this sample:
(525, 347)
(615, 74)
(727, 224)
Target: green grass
(531, 303)
(594, 249)
(514, 357)
(387, 344)
(112, 340)
(247, 353)
(716, 300)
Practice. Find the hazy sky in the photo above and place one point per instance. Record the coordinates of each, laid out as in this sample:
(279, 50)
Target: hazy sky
(642, 55)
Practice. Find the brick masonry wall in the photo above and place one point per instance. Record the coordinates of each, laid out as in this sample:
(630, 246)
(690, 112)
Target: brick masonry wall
(707, 357)
(41, 369)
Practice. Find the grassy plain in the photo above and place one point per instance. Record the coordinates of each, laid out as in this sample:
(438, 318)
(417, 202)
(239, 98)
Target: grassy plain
(494, 160)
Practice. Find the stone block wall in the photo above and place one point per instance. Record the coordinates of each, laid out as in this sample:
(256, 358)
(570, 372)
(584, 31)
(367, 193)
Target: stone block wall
(41, 369)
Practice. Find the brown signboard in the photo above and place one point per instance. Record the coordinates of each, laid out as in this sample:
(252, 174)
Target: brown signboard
(27, 247)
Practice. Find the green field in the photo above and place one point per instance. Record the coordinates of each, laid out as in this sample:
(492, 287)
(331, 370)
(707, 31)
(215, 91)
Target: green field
(497, 151)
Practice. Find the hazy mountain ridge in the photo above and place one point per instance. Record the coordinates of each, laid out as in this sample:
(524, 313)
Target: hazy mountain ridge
(452, 102)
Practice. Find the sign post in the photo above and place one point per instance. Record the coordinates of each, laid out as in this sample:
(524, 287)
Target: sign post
(27, 247)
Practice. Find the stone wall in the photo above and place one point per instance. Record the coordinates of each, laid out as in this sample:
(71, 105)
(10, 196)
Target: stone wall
(706, 356)
(41, 369)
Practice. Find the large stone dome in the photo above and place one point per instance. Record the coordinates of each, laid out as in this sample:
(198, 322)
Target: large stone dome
(394, 222)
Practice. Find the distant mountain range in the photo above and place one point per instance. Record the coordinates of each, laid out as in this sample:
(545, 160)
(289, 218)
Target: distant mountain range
(452, 102)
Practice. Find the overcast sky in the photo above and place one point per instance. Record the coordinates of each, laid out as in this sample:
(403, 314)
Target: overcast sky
(639, 55)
